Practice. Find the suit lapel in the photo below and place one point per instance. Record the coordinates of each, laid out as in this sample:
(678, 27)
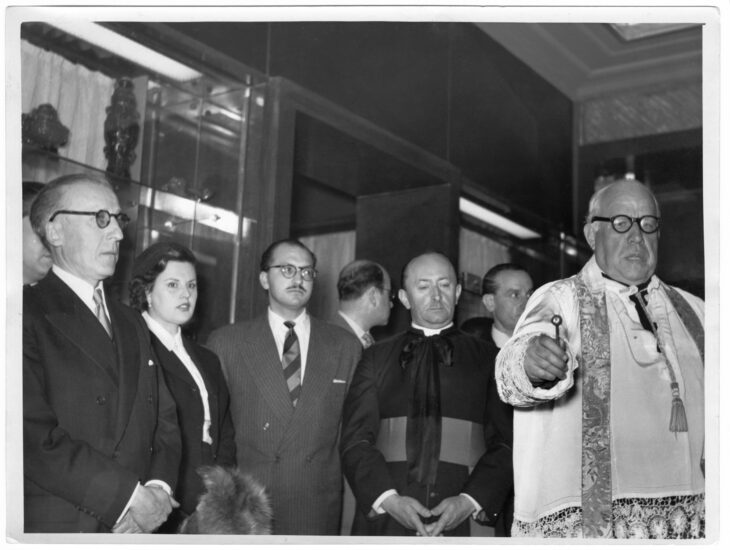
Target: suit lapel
(128, 335)
(171, 363)
(260, 355)
(72, 318)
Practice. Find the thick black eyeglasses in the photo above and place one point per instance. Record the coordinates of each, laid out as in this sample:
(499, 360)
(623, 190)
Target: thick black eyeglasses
(103, 217)
(288, 271)
(622, 223)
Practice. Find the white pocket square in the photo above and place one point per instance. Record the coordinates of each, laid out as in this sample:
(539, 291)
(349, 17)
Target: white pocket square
(338, 381)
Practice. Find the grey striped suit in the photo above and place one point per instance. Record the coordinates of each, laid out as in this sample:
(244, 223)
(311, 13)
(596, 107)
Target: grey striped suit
(293, 452)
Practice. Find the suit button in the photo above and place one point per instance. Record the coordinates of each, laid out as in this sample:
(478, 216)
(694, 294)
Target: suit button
(433, 494)
(308, 458)
(152, 450)
(100, 400)
(266, 426)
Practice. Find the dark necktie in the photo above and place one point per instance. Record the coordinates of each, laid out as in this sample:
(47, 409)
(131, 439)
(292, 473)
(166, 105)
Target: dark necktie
(291, 361)
(639, 301)
(100, 312)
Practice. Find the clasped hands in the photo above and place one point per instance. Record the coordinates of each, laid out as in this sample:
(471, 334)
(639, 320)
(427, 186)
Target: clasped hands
(149, 508)
(408, 512)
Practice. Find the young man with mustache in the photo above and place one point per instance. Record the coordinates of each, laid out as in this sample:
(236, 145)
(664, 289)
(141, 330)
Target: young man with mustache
(288, 373)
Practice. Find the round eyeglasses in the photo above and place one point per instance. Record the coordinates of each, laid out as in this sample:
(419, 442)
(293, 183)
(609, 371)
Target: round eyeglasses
(103, 217)
(622, 223)
(288, 271)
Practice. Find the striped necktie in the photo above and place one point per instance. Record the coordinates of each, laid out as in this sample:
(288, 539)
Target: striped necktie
(100, 312)
(291, 361)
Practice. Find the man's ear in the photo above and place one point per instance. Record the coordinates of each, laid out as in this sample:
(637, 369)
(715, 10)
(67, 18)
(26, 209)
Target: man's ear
(264, 280)
(54, 236)
(372, 296)
(488, 301)
(458, 293)
(589, 233)
(403, 297)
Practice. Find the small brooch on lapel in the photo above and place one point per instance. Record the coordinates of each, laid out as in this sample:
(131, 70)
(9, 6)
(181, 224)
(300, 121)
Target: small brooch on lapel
(338, 381)
(151, 363)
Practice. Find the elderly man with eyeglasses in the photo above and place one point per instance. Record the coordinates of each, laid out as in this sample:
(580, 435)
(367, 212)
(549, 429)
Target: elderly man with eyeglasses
(288, 373)
(606, 371)
(101, 445)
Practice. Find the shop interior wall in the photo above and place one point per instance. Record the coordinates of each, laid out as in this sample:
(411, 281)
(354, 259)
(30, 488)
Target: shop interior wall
(445, 87)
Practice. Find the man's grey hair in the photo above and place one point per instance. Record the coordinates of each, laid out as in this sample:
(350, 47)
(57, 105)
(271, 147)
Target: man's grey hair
(595, 202)
(50, 199)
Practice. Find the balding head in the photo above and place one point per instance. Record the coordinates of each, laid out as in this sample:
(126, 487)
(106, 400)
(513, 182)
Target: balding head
(430, 290)
(628, 257)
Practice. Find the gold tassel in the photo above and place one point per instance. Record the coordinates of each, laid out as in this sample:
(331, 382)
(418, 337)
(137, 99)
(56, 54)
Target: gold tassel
(678, 418)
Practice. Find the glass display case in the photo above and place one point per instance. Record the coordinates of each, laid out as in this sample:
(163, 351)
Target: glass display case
(187, 185)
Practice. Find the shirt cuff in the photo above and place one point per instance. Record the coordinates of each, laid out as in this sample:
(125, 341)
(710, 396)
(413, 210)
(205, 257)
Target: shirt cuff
(161, 484)
(477, 508)
(379, 501)
(136, 488)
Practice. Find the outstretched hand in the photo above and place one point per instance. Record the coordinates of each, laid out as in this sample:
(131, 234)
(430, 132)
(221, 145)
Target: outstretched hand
(408, 512)
(545, 360)
(451, 512)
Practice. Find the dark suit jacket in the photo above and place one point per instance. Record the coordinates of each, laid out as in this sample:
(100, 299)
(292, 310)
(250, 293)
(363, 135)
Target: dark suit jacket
(380, 390)
(190, 416)
(293, 452)
(97, 417)
(481, 327)
(339, 321)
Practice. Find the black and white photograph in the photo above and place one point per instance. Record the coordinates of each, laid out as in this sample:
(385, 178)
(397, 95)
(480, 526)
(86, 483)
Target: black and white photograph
(337, 273)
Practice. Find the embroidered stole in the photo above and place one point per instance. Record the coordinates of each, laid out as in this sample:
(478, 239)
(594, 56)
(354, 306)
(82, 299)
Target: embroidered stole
(595, 368)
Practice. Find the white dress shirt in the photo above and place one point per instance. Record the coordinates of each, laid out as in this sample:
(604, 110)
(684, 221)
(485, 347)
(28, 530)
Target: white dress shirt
(174, 343)
(302, 328)
(82, 289)
(498, 337)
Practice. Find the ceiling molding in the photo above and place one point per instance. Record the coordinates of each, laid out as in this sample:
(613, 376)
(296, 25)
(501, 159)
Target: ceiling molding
(585, 60)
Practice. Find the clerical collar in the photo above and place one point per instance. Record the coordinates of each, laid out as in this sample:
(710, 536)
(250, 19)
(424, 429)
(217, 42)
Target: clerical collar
(431, 331)
(639, 287)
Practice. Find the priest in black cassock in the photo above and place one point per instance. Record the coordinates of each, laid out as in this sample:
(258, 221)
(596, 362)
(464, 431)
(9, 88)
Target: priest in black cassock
(425, 437)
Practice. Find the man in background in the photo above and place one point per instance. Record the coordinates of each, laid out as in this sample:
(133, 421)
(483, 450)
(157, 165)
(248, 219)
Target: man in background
(97, 418)
(288, 373)
(366, 299)
(36, 258)
(505, 290)
(423, 427)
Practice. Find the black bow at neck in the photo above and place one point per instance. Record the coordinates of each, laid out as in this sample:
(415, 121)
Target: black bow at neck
(421, 359)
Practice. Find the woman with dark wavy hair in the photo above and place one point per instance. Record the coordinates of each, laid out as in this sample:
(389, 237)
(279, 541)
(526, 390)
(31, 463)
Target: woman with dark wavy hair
(164, 289)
